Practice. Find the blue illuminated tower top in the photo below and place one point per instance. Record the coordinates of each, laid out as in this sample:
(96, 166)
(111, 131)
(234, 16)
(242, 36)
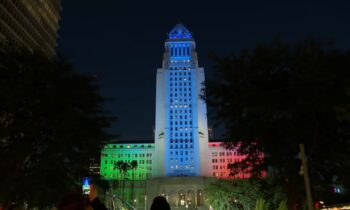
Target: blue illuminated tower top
(180, 49)
(180, 32)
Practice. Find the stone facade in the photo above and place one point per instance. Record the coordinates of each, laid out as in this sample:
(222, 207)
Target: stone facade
(181, 192)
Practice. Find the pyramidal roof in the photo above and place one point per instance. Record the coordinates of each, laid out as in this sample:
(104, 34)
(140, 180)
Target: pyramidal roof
(180, 32)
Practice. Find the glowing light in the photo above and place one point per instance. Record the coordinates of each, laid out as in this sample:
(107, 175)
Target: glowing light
(127, 153)
(86, 181)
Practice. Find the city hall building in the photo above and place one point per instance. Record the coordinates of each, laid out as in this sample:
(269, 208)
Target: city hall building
(181, 161)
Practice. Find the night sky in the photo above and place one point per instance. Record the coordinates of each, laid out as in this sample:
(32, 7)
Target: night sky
(122, 43)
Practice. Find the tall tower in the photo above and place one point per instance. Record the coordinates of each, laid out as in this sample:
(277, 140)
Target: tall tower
(32, 24)
(181, 132)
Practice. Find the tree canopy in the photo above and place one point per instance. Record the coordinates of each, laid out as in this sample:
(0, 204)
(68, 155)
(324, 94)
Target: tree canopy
(244, 194)
(52, 122)
(278, 95)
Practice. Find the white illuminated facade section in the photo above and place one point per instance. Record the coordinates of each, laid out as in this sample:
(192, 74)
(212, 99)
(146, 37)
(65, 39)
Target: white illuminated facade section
(181, 132)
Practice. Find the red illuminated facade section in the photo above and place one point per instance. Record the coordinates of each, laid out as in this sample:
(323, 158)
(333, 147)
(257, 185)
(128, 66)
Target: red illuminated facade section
(221, 157)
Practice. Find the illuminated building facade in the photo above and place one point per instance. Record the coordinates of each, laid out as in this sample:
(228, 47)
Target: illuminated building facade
(144, 154)
(180, 191)
(181, 131)
(181, 147)
(32, 24)
(112, 153)
(181, 161)
(94, 167)
(221, 157)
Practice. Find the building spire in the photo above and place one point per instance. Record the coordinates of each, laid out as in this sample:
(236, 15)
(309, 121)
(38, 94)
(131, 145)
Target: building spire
(180, 32)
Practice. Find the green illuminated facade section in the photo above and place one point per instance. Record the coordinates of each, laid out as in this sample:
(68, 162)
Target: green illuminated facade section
(127, 153)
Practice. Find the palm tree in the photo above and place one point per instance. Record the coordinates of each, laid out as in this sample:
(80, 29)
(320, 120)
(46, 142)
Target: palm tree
(118, 165)
(125, 166)
(133, 165)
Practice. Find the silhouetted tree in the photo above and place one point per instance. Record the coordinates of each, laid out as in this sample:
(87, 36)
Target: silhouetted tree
(276, 96)
(51, 123)
(125, 168)
(133, 166)
(237, 194)
(118, 165)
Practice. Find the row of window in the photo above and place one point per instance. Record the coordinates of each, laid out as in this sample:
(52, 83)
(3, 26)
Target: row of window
(180, 117)
(138, 161)
(181, 61)
(214, 154)
(219, 167)
(229, 160)
(187, 159)
(182, 167)
(180, 51)
(120, 155)
(137, 175)
(181, 123)
(180, 89)
(145, 161)
(180, 101)
(38, 28)
(180, 79)
(128, 146)
(180, 84)
(180, 68)
(221, 174)
(186, 146)
(181, 140)
(181, 128)
(181, 152)
(181, 134)
(181, 105)
(180, 73)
